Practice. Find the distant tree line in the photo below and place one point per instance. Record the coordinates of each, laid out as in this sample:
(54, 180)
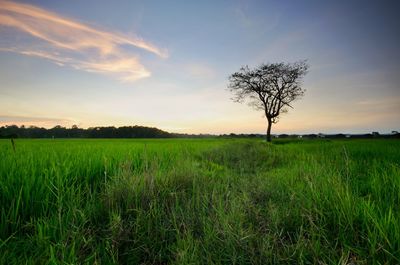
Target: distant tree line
(373, 135)
(13, 131)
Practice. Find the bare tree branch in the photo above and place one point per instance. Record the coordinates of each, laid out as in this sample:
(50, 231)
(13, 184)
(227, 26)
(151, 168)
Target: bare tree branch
(270, 87)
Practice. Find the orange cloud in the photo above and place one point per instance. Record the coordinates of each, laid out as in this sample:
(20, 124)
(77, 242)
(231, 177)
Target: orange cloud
(131, 66)
(34, 121)
(68, 42)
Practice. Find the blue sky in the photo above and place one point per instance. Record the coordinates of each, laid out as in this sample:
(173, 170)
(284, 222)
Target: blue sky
(166, 63)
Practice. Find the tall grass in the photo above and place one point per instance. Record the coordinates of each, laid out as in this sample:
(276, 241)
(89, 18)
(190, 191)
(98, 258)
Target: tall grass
(199, 202)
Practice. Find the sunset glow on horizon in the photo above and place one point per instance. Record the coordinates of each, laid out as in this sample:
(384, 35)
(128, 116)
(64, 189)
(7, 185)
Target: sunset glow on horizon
(166, 65)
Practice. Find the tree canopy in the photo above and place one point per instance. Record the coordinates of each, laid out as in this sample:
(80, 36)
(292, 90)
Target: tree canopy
(271, 87)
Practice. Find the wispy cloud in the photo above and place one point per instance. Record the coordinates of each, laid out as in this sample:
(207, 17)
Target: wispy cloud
(380, 102)
(200, 70)
(72, 43)
(36, 121)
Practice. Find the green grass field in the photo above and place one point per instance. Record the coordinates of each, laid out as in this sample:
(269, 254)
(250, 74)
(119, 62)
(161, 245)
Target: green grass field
(200, 201)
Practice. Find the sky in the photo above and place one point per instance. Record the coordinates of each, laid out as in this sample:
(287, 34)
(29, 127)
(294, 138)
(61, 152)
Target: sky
(166, 64)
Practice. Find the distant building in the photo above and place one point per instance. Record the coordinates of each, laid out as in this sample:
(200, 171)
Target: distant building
(321, 135)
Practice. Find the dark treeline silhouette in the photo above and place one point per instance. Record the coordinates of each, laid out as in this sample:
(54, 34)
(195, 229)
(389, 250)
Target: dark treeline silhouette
(373, 135)
(13, 131)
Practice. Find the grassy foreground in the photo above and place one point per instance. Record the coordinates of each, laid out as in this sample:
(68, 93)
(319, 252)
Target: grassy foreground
(199, 202)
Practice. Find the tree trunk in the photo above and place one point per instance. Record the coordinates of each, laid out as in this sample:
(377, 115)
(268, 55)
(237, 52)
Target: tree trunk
(269, 130)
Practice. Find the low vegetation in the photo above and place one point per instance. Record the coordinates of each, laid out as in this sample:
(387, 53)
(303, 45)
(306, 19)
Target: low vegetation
(200, 201)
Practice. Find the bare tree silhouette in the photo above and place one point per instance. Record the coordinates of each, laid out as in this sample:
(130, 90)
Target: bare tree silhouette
(270, 87)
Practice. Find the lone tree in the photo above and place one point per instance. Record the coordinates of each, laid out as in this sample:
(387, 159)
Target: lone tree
(270, 87)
